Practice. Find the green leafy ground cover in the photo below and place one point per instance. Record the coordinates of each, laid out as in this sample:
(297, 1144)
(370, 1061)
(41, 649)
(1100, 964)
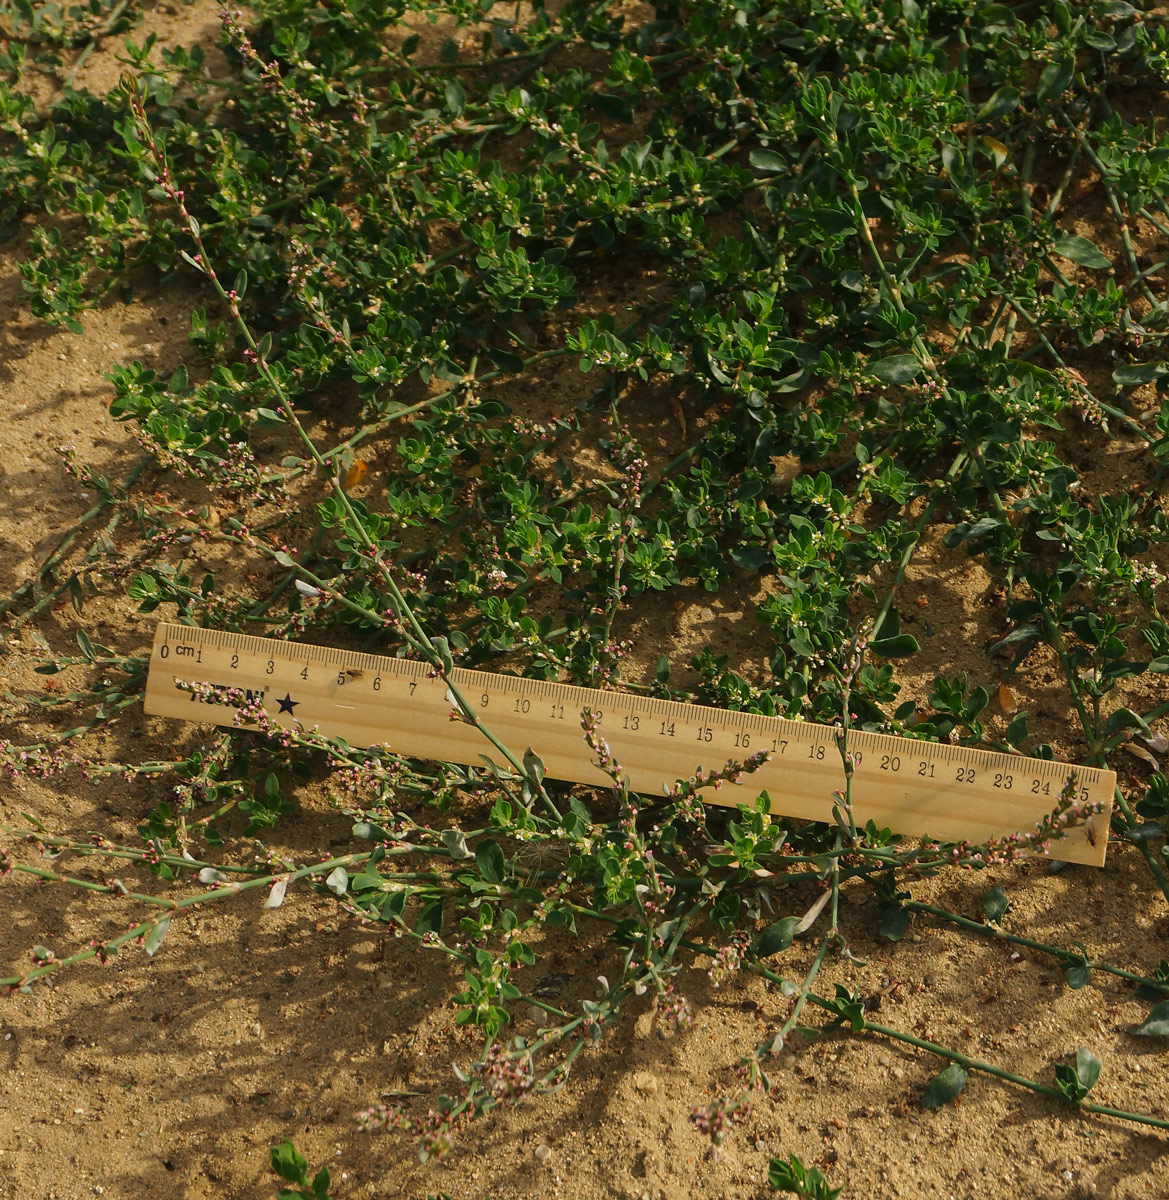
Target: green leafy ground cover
(899, 283)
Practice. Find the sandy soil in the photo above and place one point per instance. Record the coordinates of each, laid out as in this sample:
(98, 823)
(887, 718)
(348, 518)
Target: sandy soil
(172, 1076)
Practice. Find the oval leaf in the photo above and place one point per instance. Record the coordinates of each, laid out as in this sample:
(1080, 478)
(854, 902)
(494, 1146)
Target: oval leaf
(489, 860)
(1005, 100)
(154, 938)
(430, 918)
(749, 558)
(901, 646)
(354, 475)
(1137, 373)
(1087, 1068)
(776, 937)
(997, 151)
(944, 1087)
(1056, 79)
(995, 904)
(766, 160)
(1077, 976)
(276, 895)
(894, 922)
(1080, 250)
(897, 368)
(456, 98)
(832, 220)
(288, 1162)
(534, 766)
(1156, 1024)
(338, 881)
(456, 843)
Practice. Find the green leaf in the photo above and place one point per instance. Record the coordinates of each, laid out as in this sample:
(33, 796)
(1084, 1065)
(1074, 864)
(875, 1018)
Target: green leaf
(1144, 832)
(288, 1162)
(1017, 730)
(489, 860)
(1075, 1082)
(896, 369)
(1005, 100)
(767, 160)
(1137, 373)
(430, 918)
(901, 646)
(995, 904)
(338, 881)
(320, 1184)
(1056, 79)
(505, 360)
(456, 98)
(1126, 718)
(442, 652)
(848, 1007)
(776, 937)
(1024, 633)
(750, 558)
(1087, 1068)
(1156, 1024)
(1080, 250)
(806, 1182)
(534, 767)
(154, 938)
(894, 922)
(944, 1087)
(890, 626)
(1076, 976)
(833, 220)
(456, 843)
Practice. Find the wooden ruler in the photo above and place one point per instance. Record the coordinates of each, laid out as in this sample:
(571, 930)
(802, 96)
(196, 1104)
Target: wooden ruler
(952, 793)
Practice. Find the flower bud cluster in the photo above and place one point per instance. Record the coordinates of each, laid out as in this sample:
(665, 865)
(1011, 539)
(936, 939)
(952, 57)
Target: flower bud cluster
(507, 1078)
(435, 1130)
(729, 957)
(716, 1119)
(674, 1010)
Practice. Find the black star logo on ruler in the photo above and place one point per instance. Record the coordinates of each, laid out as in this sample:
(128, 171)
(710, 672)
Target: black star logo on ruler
(287, 704)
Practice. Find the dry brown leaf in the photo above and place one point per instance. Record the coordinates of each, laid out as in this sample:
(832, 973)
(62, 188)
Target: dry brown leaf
(996, 150)
(784, 469)
(1141, 753)
(1007, 701)
(354, 475)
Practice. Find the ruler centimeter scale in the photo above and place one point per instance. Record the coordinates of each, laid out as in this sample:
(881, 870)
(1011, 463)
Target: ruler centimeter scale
(951, 793)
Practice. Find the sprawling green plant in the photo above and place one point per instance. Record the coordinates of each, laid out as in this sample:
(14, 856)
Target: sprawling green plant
(845, 234)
